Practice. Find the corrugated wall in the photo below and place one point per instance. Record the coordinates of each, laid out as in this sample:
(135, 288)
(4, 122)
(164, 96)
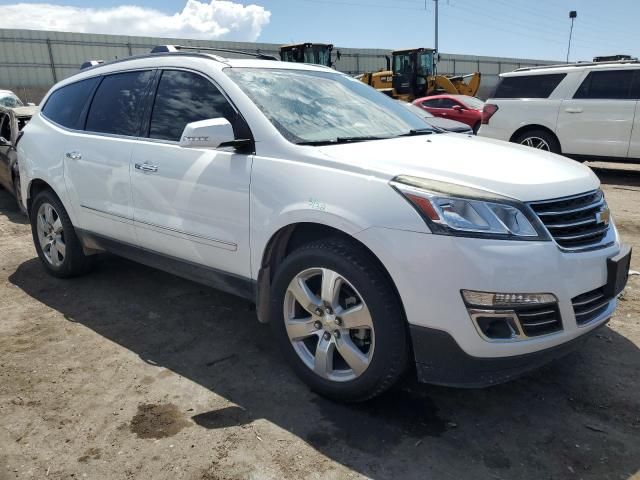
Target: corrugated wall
(31, 61)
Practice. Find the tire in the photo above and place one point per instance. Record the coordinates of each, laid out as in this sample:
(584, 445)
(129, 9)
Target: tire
(539, 139)
(62, 256)
(476, 127)
(17, 193)
(377, 352)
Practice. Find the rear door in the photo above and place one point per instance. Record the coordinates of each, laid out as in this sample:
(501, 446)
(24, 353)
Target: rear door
(97, 159)
(598, 119)
(191, 203)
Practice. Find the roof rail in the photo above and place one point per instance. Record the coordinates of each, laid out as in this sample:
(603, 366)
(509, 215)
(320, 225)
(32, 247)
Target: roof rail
(177, 48)
(91, 63)
(577, 64)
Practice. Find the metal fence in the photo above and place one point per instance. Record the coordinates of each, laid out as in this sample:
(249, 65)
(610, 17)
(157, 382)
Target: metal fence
(31, 61)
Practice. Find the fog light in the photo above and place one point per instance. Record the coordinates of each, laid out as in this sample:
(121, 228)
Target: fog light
(505, 300)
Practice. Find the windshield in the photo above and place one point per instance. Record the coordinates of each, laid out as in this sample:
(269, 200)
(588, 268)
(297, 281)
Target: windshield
(10, 100)
(314, 107)
(471, 102)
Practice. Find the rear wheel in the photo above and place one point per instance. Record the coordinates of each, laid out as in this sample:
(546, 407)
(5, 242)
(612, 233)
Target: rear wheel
(539, 139)
(338, 320)
(55, 238)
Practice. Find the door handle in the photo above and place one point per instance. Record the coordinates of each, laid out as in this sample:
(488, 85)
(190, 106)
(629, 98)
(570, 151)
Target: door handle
(573, 110)
(145, 167)
(73, 155)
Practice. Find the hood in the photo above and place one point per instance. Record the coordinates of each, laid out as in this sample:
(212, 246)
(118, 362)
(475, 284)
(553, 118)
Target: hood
(515, 171)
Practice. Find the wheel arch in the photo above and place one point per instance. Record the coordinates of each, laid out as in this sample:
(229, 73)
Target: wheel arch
(37, 185)
(535, 126)
(286, 240)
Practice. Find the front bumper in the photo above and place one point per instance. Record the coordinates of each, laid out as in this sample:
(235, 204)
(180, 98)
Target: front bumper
(441, 361)
(430, 270)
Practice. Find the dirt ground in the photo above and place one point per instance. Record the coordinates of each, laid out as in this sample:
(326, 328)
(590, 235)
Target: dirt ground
(133, 373)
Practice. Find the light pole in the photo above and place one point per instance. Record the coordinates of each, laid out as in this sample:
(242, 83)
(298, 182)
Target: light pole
(436, 29)
(572, 15)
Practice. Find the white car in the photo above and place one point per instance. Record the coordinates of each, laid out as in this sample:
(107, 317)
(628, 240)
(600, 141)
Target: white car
(587, 111)
(366, 239)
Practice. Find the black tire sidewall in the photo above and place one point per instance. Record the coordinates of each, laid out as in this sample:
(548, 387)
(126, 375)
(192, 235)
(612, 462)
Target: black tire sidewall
(75, 262)
(391, 348)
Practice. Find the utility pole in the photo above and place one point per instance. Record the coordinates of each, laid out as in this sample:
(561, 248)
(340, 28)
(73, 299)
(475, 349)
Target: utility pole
(436, 29)
(572, 15)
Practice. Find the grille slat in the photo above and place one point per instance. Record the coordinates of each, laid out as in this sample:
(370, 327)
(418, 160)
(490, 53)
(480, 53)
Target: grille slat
(589, 305)
(539, 320)
(574, 222)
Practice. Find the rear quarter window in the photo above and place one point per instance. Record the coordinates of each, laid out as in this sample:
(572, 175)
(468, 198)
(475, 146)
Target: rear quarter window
(65, 105)
(528, 86)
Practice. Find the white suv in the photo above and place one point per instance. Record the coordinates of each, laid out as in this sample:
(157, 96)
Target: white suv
(586, 111)
(365, 238)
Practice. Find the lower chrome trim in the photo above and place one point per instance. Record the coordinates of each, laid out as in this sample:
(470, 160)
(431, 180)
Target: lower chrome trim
(202, 239)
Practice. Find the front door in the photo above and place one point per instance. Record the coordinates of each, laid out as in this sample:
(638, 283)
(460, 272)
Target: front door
(599, 118)
(191, 203)
(5, 147)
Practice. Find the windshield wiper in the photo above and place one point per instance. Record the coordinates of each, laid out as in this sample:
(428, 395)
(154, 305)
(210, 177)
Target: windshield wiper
(418, 131)
(340, 140)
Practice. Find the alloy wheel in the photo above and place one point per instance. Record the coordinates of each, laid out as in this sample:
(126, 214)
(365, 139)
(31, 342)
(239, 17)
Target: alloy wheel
(536, 142)
(51, 234)
(329, 324)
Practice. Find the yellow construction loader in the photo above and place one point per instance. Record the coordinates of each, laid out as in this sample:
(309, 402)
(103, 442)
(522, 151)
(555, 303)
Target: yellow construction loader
(412, 74)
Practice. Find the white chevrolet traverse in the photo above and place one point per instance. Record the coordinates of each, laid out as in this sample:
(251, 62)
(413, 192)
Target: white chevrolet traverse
(366, 239)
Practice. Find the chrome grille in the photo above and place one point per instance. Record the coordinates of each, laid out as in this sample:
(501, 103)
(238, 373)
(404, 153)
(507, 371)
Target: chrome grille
(575, 222)
(588, 306)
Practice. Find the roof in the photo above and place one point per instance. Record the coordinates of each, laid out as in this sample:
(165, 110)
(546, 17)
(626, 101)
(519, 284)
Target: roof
(574, 67)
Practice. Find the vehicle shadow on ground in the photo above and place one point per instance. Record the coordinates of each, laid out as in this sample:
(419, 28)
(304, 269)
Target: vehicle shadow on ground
(573, 416)
(9, 208)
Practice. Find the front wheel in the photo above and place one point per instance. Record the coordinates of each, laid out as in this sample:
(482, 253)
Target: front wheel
(338, 320)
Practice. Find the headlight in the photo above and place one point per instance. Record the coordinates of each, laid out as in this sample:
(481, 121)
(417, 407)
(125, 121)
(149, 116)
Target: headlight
(451, 209)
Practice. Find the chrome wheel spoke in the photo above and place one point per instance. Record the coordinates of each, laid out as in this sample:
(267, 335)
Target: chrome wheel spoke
(351, 354)
(48, 215)
(331, 283)
(307, 300)
(323, 362)
(44, 241)
(356, 317)
(300, 329)
(57, 226)
(61, 248)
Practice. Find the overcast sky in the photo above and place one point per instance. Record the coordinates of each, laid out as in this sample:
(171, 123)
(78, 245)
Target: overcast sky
(512, 28)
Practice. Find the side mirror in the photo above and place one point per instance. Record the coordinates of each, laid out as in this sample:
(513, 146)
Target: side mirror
(212, 133)
(457, 108)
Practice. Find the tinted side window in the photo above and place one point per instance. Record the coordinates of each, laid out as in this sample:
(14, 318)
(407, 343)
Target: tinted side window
(65, 105)
(117, 104)
(635, 86)
(447, 103)
(431, 103)
(528, 86)
(182, 98)
(612, 85)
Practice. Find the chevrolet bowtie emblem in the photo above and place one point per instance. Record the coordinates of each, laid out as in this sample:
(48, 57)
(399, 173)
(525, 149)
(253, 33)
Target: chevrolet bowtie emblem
(603, 216)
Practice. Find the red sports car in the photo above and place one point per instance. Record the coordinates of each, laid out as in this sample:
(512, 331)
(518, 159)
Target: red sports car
(461, 108)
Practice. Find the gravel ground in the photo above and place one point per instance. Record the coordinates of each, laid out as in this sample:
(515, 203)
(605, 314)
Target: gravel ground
(133, 373)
